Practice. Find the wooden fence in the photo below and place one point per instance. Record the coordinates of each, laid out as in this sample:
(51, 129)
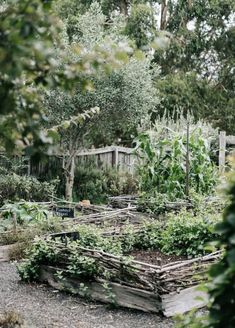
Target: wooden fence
(224, 141)
(121, 158)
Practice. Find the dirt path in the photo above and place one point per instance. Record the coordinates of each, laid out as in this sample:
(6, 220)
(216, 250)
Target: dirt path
(43, 307)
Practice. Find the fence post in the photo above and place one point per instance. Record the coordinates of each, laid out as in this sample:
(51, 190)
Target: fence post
(222, 148)
(115, 157)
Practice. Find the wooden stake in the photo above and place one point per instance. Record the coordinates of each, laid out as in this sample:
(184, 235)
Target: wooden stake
(187, 163)
(222, 148)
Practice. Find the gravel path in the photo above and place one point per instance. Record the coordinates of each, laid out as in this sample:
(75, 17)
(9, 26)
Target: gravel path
(43, 307)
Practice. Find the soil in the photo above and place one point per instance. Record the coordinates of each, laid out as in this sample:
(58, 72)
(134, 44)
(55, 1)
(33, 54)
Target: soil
(155, 257)
(43, 307)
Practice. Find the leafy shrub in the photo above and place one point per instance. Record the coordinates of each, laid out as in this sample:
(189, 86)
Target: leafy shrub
(96, 184)
(150, 235)
(14, 188)
(185, 234)
(152, 202)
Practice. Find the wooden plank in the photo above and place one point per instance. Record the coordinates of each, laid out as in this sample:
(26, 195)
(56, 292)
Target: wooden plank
(124, 295)
(104, 150)
(96, 151)
(184, 301)
(115, 158)
(222, 148)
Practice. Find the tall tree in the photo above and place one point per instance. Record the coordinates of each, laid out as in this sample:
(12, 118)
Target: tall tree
(139, 16)
(201, 52)
(125, 95)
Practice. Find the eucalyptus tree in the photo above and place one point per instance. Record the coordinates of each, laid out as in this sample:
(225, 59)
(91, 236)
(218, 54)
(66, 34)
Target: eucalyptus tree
(139, 16)
(200, 55)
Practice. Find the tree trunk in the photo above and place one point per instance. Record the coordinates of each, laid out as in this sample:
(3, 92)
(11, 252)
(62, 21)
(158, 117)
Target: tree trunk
(69, 176)
(124, 7)
(163, 15)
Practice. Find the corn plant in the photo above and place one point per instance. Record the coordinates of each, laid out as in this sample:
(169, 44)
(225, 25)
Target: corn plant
(163, 163)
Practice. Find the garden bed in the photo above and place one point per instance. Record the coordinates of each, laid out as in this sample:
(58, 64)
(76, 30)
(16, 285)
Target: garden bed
(167, 288)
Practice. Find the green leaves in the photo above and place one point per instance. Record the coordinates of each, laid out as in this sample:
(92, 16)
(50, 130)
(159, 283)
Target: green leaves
(186, 234)
(35, 56)
(164, 163)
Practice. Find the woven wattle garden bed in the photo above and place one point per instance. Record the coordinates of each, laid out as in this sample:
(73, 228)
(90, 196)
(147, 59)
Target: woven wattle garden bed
(170, 288)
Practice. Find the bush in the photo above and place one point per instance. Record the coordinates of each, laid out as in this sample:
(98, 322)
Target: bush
(185, 234)
(97, 184)
(14, 188)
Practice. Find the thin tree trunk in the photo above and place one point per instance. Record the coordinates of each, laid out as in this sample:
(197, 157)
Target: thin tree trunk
(69, 176)
(124, 7)
(163, 15)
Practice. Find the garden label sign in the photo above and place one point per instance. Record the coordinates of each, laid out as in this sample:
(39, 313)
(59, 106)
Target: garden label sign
(64, 212)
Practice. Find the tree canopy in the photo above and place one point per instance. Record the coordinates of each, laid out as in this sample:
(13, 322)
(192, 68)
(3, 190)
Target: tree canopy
(124, 96)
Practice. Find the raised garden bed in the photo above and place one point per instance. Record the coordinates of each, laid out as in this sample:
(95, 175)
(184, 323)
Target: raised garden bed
(170, 288)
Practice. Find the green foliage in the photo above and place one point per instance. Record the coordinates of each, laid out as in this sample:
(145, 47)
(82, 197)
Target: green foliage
(182, 235)
(222, 288)
(24, 212)
(192, 320)
(139, 15)
(82, 266)
(124, 96)
(34, 56)
(96, 184)
(199, 59)
(141, 25)
(28, 33)
(21, 222)
(163, 168)
(39, 253)
(13, 164)
(185, 234)
(150, 235)
(14, 188)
